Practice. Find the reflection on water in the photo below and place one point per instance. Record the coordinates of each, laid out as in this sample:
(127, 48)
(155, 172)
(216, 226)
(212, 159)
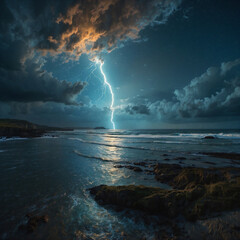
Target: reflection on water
(112, 151)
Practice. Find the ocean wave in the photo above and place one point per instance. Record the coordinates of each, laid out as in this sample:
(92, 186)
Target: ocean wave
(144, 136)
(178, 135)
(172, 142)
(133, 141)
(4, 139)
(216, 135)
(113, 145)
(46, 137)
(94, 157)
(137, 136)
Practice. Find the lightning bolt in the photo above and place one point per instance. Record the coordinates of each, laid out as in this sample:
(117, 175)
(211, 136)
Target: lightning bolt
(110, 89)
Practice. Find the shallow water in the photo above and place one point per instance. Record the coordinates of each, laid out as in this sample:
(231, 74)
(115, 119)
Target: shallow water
(51, 176)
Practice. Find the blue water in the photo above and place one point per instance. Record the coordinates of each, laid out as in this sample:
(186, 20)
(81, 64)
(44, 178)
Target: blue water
(51, 175)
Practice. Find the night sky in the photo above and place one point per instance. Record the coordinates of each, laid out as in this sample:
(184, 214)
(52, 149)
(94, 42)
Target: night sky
(171, 63)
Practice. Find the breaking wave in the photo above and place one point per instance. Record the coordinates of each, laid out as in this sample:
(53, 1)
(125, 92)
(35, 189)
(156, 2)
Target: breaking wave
(94, 157)
(3, 139)
(113, 145)
(178, 135)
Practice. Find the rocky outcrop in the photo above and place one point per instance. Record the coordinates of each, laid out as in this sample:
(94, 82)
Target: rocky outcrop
(166, 172)
(193, 203)
(196, 192)
(134, 168)
(185, 177)
(209, 137)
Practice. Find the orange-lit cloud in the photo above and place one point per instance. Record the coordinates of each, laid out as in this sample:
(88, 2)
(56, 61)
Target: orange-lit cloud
(93, 27)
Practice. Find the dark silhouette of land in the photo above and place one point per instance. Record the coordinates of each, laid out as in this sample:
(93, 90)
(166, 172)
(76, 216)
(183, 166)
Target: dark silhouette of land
(25, 129)
(21, 128)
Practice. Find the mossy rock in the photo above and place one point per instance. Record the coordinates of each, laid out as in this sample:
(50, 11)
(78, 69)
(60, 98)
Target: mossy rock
(193, 203)
(188, 177)
(194, 176)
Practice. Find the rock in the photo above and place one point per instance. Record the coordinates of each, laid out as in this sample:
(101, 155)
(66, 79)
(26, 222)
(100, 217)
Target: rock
(166, 172)
(119, 166)
(180, 158)
(180, 177)
(33, 222)
(209, 137)
(151, 165)
(193, 203)
(135, 169)
(150, 172)
(143, 164)
(196, 193)
(195, 176)
(165, 155)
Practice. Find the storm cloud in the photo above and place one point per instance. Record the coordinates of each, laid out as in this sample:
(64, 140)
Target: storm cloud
(22, 74)
(93, 27)
(137, 109)
(216, 93)
(29, 29)
(34, 84)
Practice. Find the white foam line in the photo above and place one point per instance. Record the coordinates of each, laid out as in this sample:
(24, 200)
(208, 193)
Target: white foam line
(180, 135)
(110, 145)
(4, 139)
(94, 157)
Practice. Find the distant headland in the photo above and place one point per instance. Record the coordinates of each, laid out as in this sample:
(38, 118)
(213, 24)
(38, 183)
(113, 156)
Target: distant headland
(25, 129)
(21, 128)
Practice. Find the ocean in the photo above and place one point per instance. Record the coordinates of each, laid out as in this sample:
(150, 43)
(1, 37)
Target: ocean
(52, 174)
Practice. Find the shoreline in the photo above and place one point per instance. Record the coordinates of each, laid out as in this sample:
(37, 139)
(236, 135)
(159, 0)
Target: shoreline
(205, 199)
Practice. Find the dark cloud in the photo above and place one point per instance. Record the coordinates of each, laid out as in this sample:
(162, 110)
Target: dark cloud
(216, 93)
(34, 84)
(137, 109)
(95, 26)
(22, 78)
(73, 27)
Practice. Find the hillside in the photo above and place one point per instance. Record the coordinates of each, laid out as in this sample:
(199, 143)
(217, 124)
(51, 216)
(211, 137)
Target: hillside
(21, 128)
(14, 123)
